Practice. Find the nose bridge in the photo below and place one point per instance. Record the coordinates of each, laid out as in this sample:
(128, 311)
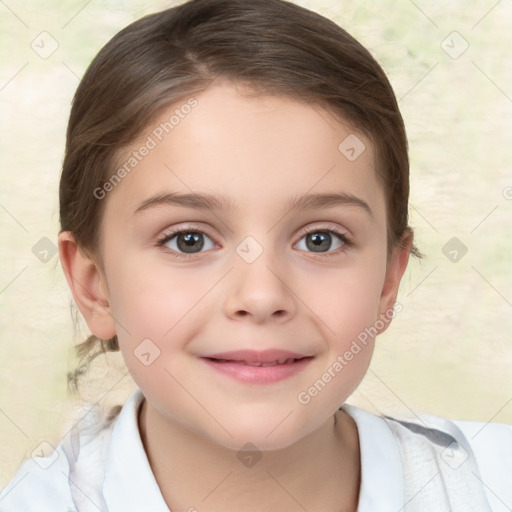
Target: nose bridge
(258, 285)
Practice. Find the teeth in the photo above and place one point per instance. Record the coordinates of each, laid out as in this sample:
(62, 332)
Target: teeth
(247, 363)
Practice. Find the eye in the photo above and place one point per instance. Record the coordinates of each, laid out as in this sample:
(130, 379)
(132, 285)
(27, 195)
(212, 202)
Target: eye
(185, 241)
(320, 240)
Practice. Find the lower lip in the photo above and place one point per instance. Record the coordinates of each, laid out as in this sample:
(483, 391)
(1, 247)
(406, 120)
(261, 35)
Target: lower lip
(259, 374)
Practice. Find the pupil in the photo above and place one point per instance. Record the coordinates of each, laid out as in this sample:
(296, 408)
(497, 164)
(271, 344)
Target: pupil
(186, 242)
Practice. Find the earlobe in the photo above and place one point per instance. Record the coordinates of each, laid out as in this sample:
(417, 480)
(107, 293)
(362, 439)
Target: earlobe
(394, 273)
(88, 286)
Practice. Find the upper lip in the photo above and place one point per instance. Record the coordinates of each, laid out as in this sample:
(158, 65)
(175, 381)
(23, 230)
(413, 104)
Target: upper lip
(257, 356)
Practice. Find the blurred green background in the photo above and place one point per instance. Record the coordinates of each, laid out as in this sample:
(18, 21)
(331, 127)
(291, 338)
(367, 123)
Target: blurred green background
(448, 352)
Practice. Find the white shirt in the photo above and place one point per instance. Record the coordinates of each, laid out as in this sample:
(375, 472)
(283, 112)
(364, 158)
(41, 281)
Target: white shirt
(114, 474)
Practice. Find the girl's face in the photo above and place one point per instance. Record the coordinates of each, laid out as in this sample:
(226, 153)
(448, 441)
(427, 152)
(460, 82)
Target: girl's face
(244, 274)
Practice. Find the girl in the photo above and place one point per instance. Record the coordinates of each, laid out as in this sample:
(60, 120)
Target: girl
(266, 136)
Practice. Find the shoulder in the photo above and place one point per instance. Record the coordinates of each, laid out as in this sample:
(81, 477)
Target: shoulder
(40, 484)
(491, 444)
(487, 445)
(60, 480)
(480, 450)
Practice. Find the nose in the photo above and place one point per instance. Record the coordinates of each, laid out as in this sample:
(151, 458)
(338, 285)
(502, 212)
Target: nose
(260, 291)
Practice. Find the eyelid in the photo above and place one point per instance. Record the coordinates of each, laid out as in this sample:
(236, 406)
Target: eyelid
(185, 227)
(343, 233)
(324, 227)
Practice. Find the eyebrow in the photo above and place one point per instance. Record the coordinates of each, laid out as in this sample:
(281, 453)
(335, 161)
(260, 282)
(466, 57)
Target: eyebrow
(221, 202)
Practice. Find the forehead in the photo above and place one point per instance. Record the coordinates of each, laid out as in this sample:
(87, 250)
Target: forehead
(253, 150)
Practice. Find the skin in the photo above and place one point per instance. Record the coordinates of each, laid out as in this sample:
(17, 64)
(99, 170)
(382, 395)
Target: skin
(259, 152)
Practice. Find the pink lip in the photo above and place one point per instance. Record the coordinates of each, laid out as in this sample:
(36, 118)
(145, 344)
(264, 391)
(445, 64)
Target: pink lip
(240, 365)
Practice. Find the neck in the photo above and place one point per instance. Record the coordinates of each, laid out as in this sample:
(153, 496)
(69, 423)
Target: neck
(320, 472)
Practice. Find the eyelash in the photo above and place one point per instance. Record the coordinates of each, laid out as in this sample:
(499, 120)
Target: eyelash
(347, 243)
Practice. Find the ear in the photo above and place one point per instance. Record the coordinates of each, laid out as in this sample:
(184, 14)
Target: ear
(88, 286)
(394, 272)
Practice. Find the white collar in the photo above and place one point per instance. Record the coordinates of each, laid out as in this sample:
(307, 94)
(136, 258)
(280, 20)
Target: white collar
(382, 478)
(129, 483)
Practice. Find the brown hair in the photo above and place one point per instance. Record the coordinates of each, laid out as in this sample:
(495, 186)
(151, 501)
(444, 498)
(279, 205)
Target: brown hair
(274, 46)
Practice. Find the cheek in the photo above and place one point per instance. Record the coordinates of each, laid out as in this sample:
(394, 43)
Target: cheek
(152, 311)
(158, 303)
(140, 294)
(347, 301)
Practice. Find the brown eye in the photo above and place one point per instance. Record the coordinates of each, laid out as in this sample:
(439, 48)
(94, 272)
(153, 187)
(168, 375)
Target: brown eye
(186, 241)
(189, 242)
(323, 240)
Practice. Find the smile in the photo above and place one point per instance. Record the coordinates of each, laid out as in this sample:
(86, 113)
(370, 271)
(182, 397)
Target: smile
(257, 372)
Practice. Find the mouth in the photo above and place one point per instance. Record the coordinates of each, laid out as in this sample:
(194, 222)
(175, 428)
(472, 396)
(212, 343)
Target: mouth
(290, 360)
(253, 367)
(269, 357)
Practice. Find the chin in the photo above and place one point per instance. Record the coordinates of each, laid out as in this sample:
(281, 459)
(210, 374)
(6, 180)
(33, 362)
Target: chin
(250, 443)
(259, 435)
